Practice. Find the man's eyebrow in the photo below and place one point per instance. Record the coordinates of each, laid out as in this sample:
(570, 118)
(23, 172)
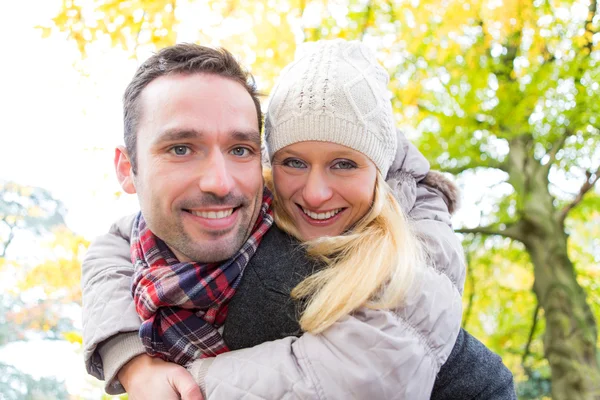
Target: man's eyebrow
(175, 135)
(247, 136)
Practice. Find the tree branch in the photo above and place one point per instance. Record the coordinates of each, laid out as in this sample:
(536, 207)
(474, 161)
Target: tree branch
(137, 35)
(588, 36)
(471, 281)
(367, 19)
(492, 164)
(556, 146)
(590, 180)
(589, 31)
(512, 45)
(526, 353)
(11, 236)
(511, 231)
(469, 119)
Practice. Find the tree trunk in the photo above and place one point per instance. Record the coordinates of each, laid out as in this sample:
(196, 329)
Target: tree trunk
(570, 337)
(571, 334)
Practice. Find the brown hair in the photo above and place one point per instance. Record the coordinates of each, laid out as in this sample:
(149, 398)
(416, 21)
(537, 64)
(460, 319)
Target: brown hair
(183, 58)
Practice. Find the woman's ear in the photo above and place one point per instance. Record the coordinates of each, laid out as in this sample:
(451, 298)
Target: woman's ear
(124, 170)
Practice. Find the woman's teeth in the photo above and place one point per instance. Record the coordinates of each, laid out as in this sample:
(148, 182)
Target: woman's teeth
(213, 214)
(321, 216)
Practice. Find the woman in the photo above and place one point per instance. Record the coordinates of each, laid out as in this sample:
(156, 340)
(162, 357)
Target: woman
(378, 321)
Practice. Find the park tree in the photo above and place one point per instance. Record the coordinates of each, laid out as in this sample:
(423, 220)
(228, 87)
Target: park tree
(15, 385)
(26, 208)
(33, 210)
(506, 90)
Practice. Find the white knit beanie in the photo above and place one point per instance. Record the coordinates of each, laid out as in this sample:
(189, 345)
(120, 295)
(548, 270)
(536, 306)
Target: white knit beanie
(335, 92)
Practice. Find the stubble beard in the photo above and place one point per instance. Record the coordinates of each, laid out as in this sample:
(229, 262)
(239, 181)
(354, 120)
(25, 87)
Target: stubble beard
(215, 249)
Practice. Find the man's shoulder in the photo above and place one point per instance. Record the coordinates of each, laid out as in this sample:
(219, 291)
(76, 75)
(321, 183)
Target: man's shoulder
(280, 255)
(262, 309)
(275, 237)
(473, 372)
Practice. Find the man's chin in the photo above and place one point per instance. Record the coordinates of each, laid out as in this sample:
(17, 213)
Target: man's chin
(207, 243)
(209, 248)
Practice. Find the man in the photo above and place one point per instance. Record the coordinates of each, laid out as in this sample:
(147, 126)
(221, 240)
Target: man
(192, 133)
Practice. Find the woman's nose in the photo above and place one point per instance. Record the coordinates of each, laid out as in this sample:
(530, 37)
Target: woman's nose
(317, 189)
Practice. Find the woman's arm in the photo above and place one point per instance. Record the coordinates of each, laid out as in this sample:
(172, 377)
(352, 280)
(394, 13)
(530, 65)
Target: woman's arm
(372, 353)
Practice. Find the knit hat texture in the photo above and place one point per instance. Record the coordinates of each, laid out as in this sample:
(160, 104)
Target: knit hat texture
(336, 91)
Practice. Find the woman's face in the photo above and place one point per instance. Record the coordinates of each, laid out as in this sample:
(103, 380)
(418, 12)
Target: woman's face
(325, 187)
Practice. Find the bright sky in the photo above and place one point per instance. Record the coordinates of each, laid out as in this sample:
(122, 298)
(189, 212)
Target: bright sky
(59, 127)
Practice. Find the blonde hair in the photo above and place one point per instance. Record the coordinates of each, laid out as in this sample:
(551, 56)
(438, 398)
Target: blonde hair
(373, 265)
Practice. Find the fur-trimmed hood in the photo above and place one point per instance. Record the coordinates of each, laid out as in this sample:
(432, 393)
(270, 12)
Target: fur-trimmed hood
(410, 168)
(446, 187)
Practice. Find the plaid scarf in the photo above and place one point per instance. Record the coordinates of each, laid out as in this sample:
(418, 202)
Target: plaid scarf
(183, 304)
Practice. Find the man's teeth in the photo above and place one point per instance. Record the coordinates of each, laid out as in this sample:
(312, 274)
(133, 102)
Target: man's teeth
(325, 215)
(213, 214)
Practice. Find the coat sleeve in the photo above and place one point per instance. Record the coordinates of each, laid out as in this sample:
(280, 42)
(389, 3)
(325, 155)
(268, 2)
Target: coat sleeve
(372, 353)
(355, 358)
(110, 322)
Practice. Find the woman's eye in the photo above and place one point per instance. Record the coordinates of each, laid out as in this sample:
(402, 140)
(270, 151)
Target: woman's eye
(240, 151)
(293, 163)
(180, 150)
(344, 165)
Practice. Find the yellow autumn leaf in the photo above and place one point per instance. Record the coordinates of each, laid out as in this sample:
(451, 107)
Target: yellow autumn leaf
(73, 337)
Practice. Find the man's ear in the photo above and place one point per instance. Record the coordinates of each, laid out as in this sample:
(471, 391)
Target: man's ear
(123, 169)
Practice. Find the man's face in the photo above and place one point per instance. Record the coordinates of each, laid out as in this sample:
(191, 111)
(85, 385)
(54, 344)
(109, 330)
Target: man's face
(199, 179)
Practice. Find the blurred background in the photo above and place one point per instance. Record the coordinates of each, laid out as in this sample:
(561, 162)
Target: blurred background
(501, 94)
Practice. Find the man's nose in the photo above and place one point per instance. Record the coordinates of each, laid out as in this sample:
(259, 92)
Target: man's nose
(317, 189)
(216, 177)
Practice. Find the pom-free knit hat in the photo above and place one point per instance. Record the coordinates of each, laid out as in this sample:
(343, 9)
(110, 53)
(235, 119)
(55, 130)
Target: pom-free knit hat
(335, 92)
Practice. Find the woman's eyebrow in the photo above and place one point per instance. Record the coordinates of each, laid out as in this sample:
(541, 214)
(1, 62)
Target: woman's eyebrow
(334, 154)
(285, 152)
(345, 154)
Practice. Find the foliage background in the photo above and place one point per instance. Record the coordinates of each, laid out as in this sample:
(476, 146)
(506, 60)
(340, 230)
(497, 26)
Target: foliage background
(469, 80)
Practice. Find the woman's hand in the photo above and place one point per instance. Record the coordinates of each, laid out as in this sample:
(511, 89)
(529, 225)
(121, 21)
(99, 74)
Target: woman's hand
(146, 377)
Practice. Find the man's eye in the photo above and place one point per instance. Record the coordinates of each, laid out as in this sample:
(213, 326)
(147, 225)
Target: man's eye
(180, 150)
(294, 163)
(240, 151)
(344, 164)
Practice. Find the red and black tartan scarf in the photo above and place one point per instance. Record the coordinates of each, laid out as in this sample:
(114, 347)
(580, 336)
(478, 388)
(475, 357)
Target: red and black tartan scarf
(183, 304)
